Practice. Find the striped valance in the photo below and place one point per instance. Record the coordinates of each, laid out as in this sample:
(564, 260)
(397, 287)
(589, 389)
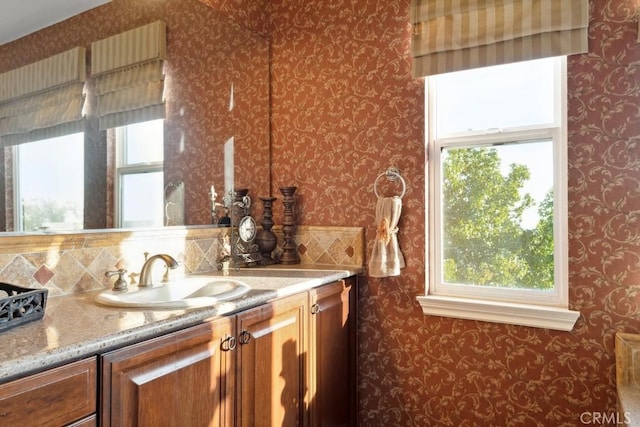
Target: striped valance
(44, 99)
(129, 80)
(453, 35)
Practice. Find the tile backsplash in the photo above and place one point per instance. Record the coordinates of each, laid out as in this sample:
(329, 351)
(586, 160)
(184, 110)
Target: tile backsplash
(72, 263)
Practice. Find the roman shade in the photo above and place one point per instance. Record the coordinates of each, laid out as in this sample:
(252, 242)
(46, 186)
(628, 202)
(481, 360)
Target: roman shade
(128, 76)
(453, 35)
(44, 99)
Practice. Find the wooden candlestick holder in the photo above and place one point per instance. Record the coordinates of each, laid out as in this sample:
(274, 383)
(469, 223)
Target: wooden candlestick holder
(266, 239)
(289, 253)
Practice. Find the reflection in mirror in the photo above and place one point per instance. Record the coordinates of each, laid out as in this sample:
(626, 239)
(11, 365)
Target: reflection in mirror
(139, 189)
(217, 103)
(48, 190)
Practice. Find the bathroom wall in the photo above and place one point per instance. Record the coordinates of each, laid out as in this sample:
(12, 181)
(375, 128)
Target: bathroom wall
(252, 14)
(344, 108)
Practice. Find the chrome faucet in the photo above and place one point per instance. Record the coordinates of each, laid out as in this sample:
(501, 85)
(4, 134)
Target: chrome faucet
(145, 272)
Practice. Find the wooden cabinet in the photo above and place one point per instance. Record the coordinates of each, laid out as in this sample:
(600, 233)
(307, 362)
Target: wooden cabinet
(271, 373)
(333, 354)
(290, 362)
(55, 397)
(183, 378)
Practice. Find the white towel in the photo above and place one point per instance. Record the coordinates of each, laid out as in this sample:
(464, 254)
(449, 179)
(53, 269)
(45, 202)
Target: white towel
(386, 258)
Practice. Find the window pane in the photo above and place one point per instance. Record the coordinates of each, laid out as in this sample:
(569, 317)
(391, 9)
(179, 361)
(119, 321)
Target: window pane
(497, 215)
(499, 97)
(142, 200)
(144, 142)
(50, 188)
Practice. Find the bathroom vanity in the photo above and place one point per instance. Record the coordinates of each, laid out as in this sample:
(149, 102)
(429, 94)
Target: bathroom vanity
(283, 354)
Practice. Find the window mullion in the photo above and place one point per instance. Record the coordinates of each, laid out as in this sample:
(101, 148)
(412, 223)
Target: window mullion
(505, 136)
(141, 168)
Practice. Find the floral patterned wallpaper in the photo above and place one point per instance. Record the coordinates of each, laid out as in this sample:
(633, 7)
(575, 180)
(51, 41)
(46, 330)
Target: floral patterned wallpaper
(252, 14)
(217, 89)
(344, 108)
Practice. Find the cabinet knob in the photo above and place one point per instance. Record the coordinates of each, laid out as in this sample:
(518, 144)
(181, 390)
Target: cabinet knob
(228, 344)
(245, 337)
(315, 308)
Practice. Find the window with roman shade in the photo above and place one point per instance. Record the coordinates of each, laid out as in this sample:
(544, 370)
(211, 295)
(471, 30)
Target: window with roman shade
(128, 76)
(44, 99)
(454, 35)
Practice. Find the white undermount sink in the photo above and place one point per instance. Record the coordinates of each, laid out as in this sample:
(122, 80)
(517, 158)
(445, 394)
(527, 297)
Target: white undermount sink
(190, 292)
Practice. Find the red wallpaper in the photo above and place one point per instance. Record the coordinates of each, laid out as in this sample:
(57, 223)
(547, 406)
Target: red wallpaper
(252, 14)
(344, 108)
(209, 54)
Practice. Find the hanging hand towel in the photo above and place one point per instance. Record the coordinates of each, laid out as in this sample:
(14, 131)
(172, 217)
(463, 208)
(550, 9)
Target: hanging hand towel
(386, 258)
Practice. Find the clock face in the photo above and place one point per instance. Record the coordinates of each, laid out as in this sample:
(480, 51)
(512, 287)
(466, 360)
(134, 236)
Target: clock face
(247, 229)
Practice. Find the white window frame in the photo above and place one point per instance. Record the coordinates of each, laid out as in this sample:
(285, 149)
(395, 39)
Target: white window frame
(123, 168)
(534, 308)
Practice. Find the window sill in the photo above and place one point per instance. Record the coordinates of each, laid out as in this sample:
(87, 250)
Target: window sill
(536, 316)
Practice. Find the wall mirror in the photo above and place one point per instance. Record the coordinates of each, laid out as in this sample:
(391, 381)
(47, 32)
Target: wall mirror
(216, 130)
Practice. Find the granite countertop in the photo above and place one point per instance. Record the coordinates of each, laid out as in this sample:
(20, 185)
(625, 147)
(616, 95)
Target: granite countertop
(75, 327)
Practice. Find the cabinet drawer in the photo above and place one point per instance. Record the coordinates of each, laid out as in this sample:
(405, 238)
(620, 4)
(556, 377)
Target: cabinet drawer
(52, 398)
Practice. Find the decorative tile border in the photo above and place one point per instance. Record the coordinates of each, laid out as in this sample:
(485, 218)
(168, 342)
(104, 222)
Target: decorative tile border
(76, 262)
(327, 245)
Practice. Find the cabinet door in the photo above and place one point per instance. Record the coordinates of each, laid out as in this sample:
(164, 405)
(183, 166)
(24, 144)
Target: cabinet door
(271, 364)
(333, 350)
(183, 378)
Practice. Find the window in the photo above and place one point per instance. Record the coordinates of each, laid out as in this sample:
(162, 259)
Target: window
(497, 217)
(140, 175)
(49, 189)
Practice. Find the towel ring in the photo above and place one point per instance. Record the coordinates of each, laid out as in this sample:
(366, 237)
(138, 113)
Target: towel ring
(392, 174)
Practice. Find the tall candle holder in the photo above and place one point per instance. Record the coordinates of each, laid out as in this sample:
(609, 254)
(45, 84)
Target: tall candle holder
(266, 239)
(289, 253)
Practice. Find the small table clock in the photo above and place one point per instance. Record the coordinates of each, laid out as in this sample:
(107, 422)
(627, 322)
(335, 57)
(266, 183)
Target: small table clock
(244, 250)
(247, 229)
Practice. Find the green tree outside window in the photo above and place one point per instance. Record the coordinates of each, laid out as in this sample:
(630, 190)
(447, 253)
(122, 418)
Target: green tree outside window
(484, 242)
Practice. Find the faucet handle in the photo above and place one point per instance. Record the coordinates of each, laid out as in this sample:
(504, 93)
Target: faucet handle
(132, 277)
(121, 283)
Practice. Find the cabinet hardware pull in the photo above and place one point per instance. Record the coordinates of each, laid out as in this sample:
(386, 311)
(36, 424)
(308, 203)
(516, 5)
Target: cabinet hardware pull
(315, 309)
(229, 344)
(245, 337)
